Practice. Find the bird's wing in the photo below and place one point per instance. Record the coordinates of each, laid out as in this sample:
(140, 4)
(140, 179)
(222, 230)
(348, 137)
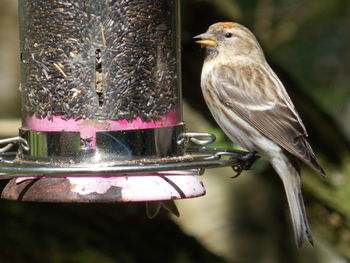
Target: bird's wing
(258, 97)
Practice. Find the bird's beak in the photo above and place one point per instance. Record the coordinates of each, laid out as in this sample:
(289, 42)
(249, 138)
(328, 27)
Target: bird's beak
(206, 39)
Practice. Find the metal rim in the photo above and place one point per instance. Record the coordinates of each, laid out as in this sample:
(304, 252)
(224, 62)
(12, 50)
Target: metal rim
(195, 158)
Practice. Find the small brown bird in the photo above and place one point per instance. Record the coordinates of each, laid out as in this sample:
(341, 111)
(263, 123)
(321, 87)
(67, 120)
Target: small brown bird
(252, 107)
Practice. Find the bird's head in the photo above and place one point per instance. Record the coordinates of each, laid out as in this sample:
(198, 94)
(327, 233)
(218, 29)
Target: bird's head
(230, 39)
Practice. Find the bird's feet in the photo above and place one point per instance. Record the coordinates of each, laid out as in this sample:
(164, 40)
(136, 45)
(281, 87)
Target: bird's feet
(244, 163)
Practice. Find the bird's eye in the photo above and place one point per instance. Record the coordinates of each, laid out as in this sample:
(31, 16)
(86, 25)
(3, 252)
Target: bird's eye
(228, 35)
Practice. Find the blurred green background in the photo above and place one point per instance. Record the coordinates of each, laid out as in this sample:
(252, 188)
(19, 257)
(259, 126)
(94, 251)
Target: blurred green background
(307, 43)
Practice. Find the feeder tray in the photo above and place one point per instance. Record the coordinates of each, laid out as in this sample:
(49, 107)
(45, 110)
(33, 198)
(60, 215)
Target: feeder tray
(73, 182)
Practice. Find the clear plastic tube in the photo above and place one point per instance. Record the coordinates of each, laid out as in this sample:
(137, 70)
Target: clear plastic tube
(114, 60)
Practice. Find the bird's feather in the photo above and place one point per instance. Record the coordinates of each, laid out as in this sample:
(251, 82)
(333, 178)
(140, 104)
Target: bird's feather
(261, 101)
(288, 168)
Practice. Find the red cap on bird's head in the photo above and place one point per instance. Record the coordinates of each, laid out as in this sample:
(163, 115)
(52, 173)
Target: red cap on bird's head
(227, 24)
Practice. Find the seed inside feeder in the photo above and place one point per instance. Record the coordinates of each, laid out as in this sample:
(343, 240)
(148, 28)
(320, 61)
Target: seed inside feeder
(112, 60)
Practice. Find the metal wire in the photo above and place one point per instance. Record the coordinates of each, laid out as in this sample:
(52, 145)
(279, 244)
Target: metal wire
(195, 138)
(11, 142)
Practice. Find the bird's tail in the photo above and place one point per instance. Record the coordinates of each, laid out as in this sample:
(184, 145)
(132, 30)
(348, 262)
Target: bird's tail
(288, 168)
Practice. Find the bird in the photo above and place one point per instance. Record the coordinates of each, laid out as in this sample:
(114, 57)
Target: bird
(253, 108)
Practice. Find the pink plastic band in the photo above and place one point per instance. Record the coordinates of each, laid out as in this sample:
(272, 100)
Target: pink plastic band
(89, 127)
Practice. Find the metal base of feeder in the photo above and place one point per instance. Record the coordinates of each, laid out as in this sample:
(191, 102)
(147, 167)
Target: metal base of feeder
(119, 181)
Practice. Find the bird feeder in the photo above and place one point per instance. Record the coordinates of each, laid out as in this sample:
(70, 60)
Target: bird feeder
(101, 106)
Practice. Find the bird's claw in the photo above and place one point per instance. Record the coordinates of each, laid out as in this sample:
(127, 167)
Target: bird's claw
(245, 162)
(238, 171)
